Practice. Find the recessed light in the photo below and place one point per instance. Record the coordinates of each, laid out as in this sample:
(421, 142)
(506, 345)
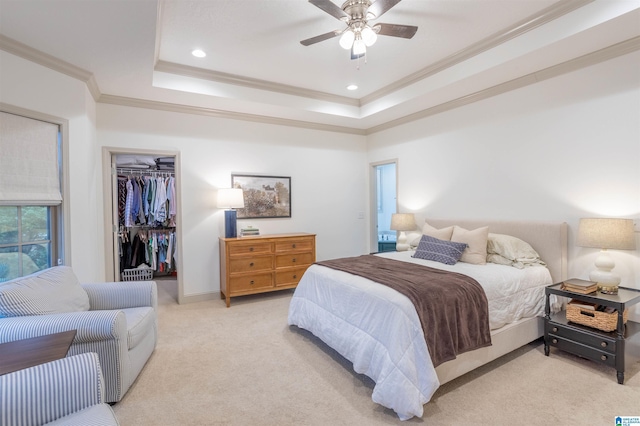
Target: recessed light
(198, 53)
(352, 87)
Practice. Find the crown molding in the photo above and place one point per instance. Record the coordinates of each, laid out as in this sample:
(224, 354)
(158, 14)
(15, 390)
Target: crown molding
(212, 112)
(602, 55)
(29, 53)
(544, 16)
(254, 83)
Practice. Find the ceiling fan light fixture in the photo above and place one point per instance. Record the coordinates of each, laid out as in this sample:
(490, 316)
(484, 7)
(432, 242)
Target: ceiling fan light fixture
(347, 38)
(369, 36)
(359, 48)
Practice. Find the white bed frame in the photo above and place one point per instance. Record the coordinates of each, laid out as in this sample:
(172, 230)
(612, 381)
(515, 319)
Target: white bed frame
(549, 239)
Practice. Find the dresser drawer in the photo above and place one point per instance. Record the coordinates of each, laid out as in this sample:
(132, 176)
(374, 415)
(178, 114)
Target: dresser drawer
(290, 276)
(583, 351)
(595, 341)
(247, 264)
(293, 259)
(253, 247)
(249, 283)
(297, 244)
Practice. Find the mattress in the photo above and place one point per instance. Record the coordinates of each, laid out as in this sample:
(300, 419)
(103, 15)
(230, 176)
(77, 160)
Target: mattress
(378, 329)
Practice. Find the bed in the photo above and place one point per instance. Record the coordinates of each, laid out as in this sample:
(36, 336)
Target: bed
(378, 329)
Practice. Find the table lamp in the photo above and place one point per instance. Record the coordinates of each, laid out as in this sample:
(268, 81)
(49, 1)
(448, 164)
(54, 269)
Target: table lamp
(231, 199)
(402, 222)
(605, 233)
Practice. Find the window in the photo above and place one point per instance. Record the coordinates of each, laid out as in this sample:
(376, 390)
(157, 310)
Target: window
(25, 240)
(30, 196)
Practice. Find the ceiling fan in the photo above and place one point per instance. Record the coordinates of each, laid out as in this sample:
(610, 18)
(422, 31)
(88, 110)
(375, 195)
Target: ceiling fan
(359, 34)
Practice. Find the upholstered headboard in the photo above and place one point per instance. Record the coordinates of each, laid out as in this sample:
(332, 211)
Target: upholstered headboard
(549, 239)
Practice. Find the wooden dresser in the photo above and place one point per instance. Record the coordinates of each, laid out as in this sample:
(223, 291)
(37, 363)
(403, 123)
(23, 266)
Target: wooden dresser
(250, 265)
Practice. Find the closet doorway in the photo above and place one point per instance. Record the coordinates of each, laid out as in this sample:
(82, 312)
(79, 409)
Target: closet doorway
(383, 182)
(143, 238)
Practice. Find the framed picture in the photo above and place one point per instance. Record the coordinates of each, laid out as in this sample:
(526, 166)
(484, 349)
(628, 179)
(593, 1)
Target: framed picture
(264, 196)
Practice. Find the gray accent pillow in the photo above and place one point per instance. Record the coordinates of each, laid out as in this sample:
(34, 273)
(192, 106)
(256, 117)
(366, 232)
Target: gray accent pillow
(50, 291)
(447, 252)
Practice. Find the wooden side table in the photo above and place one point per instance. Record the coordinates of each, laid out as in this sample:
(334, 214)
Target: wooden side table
(27, 353)
(607, 348)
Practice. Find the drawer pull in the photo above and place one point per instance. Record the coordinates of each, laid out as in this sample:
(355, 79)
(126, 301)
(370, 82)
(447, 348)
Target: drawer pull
(295, 276)
(554, 341)
(603, 344)
(251, 282)
(293, 246)
(555, 329)
(603, 357)
(250, 248)
(251, 264)
(294, 259)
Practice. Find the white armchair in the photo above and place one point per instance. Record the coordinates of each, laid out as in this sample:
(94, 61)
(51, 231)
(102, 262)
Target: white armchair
(118, 321)
(69, 391)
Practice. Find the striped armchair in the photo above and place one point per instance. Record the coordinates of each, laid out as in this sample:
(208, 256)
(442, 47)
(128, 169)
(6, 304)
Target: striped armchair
(118, 321)
(69, 391)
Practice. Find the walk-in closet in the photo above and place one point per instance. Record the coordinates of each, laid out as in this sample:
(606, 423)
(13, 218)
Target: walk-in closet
(145, 211)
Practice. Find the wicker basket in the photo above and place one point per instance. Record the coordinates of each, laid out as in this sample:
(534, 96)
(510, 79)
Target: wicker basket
(596, 319)
(137, 274)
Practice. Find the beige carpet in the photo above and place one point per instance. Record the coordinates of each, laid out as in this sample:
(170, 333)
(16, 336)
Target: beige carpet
(245, 366)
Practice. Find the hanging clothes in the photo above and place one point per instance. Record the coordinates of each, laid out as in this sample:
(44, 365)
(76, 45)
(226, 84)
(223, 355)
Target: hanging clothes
(147, 211)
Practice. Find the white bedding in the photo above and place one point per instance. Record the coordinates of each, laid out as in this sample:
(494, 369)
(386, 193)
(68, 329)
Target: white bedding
(383, 337)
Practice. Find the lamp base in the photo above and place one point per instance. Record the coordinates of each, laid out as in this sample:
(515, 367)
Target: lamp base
(608, 289)
(401, 243)
(230, 224)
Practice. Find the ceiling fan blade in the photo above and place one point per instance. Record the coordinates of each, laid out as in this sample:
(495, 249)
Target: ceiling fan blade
(331, 8)
(380, 7)
(393, 30)
(319, 38)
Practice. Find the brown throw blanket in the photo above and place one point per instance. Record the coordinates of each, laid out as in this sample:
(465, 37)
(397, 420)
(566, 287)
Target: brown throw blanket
(452, 307)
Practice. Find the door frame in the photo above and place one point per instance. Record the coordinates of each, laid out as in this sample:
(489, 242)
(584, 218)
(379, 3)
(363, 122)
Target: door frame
(108, 208)
(373, 200)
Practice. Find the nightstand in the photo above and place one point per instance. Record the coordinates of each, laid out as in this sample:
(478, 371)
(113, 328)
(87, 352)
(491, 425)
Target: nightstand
(607, 348)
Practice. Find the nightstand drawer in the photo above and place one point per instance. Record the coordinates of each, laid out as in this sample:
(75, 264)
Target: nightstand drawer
(253, 247)
(583, 351)
(293, 259)
(593, 340)
(247, 264)
(244, 283)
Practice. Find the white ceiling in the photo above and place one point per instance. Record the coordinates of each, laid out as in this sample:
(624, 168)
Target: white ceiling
(140, 51)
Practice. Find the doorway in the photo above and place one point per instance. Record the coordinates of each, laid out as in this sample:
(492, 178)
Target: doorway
(113, 229)
(384, 196)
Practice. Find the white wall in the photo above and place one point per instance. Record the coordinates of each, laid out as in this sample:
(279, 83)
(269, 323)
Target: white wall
(27, 85)
(558, 150)
(328, 179)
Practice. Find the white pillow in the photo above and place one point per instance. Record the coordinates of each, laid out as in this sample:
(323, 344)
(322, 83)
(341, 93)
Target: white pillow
(50, 291)
(503, 248)
(476, 252)
(441, 234)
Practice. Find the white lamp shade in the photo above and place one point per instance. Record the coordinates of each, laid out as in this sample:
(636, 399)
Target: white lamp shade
(605, 233)
(359, 47)
(230, 198)
(346, 40)
(369, 36)
(403, 222)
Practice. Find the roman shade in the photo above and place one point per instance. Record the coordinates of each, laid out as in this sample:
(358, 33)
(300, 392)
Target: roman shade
(29, 172)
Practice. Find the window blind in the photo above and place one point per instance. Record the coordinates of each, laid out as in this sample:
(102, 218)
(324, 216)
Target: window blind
(29, 172)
